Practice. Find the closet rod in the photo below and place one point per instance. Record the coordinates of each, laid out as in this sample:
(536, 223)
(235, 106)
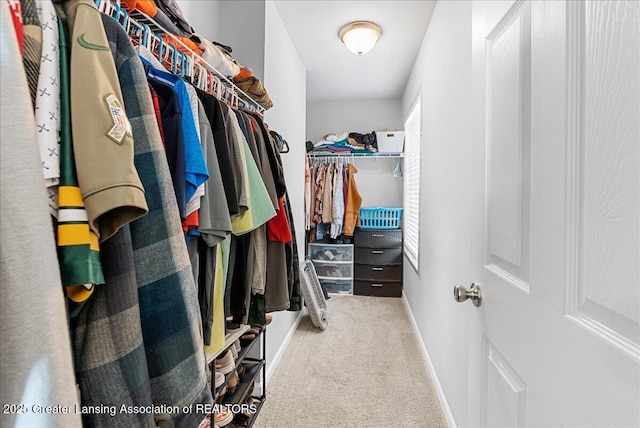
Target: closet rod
(355, 155)
(182, 64)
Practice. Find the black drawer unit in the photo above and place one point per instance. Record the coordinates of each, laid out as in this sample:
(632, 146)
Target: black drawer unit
(384, 273)
(378, 262)
(377, 288)
(379, 256)
(378, 238)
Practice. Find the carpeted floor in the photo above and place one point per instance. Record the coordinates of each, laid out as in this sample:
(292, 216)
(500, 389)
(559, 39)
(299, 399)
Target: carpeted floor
(364, 370)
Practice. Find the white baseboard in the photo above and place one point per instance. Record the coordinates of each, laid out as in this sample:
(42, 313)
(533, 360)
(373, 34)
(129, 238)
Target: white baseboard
(283, 347)
(432, 370)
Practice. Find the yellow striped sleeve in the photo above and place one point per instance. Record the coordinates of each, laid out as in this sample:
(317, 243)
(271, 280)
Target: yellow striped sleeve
(70, 196)
(93, 241)
(73, 234)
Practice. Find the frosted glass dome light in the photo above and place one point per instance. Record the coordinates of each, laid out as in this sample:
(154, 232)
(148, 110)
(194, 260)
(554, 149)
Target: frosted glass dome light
(360, 36)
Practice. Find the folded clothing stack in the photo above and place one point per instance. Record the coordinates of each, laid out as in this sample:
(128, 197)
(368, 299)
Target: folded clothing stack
(345, 143)
(253, 87)
(164, 12)
(217, 57)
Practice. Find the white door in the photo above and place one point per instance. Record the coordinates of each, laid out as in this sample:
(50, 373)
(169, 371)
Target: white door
(556, 227)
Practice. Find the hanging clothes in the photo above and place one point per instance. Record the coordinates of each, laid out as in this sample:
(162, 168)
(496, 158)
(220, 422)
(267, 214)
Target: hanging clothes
(215, 221)
(261, 149)
(238, 159)
(195, 167)
(36, 365)
(293, 262)
(173, 143)
(173, 344)
(213, 111)
(189, 213)
(338, 206)
(278, 228)
(173, 231)
(214, 227)
(354, 201)
(327, 196)
(102, 140)
(47, 112)
(278, 291)
(32, 56)
(308, 173)
(334, 202)
(16, 17)
(260, 207)
(78, 247)
(319, 193)
(217, 336)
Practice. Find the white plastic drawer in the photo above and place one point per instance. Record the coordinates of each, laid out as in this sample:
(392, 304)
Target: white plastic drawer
(331, 253)
(337, 285)
(337, 270)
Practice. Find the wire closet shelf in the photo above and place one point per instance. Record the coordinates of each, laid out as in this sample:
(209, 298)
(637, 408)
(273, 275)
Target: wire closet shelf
(143, 30)
(373, 155)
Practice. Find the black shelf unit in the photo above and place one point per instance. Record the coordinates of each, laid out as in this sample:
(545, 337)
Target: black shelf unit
(253, 368)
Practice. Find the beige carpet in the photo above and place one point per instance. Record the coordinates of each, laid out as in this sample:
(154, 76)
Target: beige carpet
(364, 370)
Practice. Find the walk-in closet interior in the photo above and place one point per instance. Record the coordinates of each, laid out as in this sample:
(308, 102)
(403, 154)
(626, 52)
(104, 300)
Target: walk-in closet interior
(310, 213)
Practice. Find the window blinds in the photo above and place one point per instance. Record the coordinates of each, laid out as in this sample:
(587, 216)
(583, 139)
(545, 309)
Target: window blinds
(413, 131)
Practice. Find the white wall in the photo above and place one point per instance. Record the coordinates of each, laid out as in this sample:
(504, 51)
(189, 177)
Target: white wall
(442, 73)
(287, 89)
(360, 116)
(374, 179)
(242, 26)
(203, 15)
(239, 24)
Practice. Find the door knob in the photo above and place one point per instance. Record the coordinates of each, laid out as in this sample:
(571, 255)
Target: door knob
(474, 293)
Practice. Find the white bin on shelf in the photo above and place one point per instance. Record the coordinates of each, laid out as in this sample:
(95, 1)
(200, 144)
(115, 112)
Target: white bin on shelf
(390, 141)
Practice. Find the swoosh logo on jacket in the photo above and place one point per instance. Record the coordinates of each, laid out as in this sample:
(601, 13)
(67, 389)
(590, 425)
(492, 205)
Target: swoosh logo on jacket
(89, 45)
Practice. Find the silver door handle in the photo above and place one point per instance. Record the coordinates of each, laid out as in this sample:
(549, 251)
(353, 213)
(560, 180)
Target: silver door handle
(377, 252)
(377, 236)
(474, 293)
(374, 268)
(376, 285)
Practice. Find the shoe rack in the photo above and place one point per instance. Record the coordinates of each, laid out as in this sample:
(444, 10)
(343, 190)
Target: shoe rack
(250, 368)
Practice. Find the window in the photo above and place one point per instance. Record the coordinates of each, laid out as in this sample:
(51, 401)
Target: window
(413, 131)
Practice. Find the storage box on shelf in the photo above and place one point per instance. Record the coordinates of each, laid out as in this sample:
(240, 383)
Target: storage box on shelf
(334, 266)
(390, 142)
(378, 262)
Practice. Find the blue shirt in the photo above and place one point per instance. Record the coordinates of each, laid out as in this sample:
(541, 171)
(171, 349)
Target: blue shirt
(196, 171)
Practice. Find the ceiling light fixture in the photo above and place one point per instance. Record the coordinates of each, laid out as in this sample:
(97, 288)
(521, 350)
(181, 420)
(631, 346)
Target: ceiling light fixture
(360, 36)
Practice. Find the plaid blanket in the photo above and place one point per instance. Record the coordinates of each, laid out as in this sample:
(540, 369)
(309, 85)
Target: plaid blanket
(147, 347)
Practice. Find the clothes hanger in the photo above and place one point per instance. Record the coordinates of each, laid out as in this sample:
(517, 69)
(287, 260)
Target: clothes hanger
(174, 54)
(152, 41)
(210, 81)
(134, 30)
(183, 64)
(174, 59)
(103, 6)
(285, 144)
(198, 76)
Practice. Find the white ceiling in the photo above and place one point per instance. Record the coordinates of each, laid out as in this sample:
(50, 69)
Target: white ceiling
(334, 73)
